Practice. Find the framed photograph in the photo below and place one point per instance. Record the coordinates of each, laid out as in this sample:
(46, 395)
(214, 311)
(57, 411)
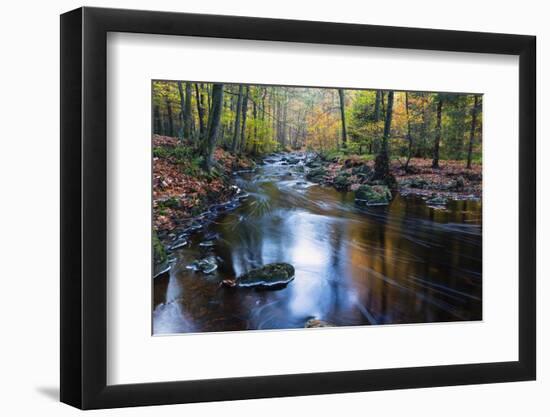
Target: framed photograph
(257, 208)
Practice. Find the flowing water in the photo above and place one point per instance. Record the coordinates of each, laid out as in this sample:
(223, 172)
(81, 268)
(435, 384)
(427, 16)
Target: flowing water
(402, 263)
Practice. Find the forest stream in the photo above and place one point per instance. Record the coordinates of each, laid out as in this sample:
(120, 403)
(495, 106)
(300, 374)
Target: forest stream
(405, 262)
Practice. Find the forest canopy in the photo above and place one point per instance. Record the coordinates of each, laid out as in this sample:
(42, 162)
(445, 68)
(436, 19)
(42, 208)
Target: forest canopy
(260, 119)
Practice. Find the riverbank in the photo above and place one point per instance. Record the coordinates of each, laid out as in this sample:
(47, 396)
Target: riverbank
(186, 198)
(184, 195)
(451, 181)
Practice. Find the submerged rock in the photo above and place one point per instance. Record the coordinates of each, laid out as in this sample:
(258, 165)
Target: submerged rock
(206, 265)
(207, 244)
(160, 270)
(437, 200)
(180, 243)
(373, 195)
(316, 323)
(270, 276)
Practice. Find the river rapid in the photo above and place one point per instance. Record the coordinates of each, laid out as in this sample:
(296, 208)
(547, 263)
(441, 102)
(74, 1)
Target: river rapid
(355, 265)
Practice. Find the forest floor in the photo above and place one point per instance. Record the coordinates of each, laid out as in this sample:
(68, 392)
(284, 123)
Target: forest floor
(182, 190)
(451, 180)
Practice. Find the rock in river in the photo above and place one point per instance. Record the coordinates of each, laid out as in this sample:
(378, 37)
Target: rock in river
(373, 195)
(316, 323)
(316, 174)
(206, 265)
(270, 276)
(437, 200)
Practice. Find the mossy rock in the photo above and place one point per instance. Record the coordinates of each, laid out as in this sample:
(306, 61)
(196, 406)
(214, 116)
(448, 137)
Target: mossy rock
(420, 183)
(316, 174)
(316, 323)
(361, 169)
(206, 265)
(342, 182)
(270, 276)
(373, 195)
(159, 251)
(456, 185)
(313, 163)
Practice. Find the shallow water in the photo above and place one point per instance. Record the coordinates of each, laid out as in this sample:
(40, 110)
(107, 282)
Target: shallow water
(402, 263)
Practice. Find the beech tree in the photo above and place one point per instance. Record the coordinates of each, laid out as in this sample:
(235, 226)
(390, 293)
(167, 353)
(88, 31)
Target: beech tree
(213, 126)
(200, 99)
(472, 131)
(382, 162)
(343, 113)
(237, 129)
(409, 135)
(435, 162)
(244, 112)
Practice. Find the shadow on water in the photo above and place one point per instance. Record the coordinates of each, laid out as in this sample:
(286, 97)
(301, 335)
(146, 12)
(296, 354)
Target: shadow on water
(403, 263)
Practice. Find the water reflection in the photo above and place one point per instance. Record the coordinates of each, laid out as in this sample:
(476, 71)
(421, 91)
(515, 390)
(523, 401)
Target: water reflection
(404, 263)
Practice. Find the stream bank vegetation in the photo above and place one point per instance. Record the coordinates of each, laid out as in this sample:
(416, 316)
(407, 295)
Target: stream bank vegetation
(374, 143)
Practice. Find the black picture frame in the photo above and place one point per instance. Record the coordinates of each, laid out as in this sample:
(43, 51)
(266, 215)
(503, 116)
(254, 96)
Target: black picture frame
(84, 207)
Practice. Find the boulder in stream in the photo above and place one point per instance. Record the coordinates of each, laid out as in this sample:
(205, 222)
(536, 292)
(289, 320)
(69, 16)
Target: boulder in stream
(342, 181)
(316, 174)
(206, 265)
(437, 200)
(269, 277)
(316, 323)
(373, 195)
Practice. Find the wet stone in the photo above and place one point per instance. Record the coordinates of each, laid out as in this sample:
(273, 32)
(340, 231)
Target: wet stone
(316, 174)
(341, 182)
(373, 195)
(437, 200)
(270, 276)
(316, 323)
(178, 244)
(206, 265)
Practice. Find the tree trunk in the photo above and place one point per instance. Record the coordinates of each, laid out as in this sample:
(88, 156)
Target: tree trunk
(200, 109)
(170, 131)
(236, 133)
(435, 162)
(421, 141)
(273, 115)
(157, 124)
(343, 114)
(244, 113)
(382, 162)
(182, 106)
(382, 104)
(187, 115)
(213, 126)
(283, 122)
(377, 105)
(255, 134)
(472, 132)
(409, 136)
